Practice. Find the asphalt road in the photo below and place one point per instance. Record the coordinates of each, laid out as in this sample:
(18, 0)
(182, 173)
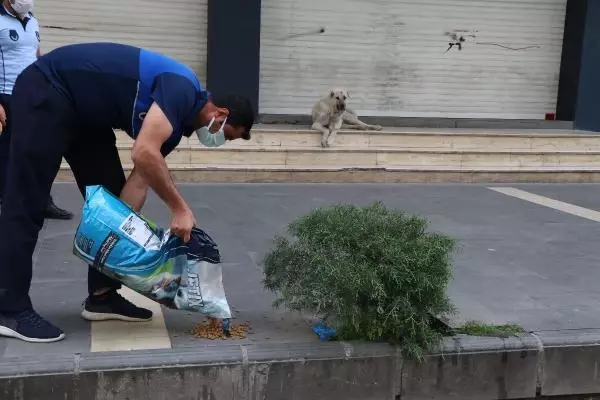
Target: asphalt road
(519, 262)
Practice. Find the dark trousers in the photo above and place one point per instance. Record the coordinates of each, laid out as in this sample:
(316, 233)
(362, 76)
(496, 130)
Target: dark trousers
(4, 141)
(45, 128)
(4, 144)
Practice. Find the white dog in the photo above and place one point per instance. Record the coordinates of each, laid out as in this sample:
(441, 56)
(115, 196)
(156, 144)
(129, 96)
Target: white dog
(330, 113)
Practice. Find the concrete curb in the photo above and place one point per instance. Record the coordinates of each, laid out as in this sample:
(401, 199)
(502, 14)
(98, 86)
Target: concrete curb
(465, 368)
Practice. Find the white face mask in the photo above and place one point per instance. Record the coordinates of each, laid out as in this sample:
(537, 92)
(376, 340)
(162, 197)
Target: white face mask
(210, 139)
(22, 7)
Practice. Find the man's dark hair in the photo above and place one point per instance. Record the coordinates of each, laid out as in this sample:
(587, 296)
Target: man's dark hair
(241, 112)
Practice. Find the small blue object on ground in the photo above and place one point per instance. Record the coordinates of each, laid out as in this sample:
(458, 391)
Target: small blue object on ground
(324, 332)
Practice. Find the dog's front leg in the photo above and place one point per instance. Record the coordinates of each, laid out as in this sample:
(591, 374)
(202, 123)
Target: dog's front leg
(331, 138)
(335, 127)
(324, 131)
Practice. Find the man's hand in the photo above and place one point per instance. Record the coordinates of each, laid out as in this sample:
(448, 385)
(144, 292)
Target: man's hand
(150, 163)
(182, 224)
(134, 193)
(2, 119)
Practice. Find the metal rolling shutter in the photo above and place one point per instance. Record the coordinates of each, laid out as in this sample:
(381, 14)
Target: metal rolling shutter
(391, 55)
(176, 28)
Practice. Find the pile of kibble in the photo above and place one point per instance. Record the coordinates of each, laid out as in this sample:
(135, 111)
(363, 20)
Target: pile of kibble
(213, 329)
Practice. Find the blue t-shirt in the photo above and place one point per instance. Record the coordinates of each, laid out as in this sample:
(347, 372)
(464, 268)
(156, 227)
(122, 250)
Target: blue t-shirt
(113, 85)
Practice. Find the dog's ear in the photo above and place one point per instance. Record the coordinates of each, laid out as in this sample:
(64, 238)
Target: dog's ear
(332, 94)
(347, 94)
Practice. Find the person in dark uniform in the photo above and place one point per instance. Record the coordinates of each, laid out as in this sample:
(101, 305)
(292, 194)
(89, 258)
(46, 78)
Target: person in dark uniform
(19, 47)
(66, 104)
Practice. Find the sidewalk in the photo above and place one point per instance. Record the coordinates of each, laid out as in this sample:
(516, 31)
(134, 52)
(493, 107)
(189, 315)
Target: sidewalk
(519, 263)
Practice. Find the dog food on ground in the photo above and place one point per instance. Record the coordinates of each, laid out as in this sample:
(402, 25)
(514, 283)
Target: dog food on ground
(214, 329)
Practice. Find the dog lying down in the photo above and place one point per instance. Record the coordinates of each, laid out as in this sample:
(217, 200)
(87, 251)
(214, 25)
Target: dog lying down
(330, 115)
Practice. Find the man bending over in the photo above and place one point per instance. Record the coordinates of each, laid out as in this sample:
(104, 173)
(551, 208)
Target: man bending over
(66, 104)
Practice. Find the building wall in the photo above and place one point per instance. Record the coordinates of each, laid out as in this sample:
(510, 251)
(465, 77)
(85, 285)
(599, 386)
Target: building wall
(234, 48)
(177, 28)
(244, 46)
(587, 102)
(408, 58)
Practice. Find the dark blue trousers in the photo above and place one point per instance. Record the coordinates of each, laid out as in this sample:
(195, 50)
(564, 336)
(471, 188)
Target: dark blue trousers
(4, 144)
(44, 128)
(4, 141)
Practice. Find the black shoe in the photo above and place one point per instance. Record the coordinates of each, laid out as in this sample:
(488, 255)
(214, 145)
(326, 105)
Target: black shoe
(113, 306)
(53, 212)
(30, 327)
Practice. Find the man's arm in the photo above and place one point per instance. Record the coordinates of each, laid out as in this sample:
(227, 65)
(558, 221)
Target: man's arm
(174, 99)
(135, 190)
(149, 161)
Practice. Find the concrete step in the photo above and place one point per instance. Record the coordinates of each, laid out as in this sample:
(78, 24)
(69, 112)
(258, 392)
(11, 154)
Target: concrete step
(500, 140)
(284, 154)
(373, 157)
(375, 174)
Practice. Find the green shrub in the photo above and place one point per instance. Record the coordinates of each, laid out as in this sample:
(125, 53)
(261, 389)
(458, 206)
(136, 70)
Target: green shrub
(475, 328)
(376, 273)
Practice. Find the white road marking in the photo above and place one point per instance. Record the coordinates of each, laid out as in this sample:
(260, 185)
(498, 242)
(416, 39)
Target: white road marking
(123, 336)
(551, 203)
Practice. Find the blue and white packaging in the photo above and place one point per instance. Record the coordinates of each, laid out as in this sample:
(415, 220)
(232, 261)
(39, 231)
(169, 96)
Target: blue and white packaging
(124, 245)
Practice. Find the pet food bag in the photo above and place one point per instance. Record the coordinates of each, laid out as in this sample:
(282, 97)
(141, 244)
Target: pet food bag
(124, 245)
